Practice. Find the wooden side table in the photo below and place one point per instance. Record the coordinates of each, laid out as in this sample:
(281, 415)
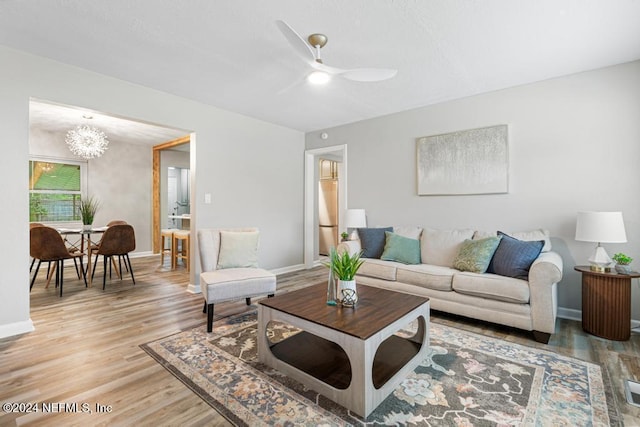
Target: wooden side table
(606, 303)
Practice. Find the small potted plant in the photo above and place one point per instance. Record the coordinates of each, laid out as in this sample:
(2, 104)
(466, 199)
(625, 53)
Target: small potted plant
(345, 236)
(344, 267)
(88, 209)
(622, 263)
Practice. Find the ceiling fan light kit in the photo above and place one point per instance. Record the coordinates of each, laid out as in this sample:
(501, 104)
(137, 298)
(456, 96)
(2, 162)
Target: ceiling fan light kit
(318, 78)
(309, 50)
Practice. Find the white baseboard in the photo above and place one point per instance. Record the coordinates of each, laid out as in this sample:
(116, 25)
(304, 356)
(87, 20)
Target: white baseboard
(194, 289)
(16, 328)
(142, 254)
(570, 314)
(289, 269)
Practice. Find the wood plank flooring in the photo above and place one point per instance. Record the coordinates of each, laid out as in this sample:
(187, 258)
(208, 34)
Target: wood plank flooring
(85, 349)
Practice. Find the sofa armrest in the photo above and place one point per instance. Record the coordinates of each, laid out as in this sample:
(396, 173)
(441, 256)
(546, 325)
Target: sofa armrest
(544, 274)
(350, 246)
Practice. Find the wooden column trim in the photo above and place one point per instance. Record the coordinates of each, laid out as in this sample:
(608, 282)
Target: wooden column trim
(155, 199)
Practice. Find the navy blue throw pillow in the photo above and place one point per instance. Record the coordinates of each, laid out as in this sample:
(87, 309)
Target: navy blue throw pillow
(514, 257)
(372, 241)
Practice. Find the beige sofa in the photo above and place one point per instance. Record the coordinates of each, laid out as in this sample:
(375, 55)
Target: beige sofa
(529, 304)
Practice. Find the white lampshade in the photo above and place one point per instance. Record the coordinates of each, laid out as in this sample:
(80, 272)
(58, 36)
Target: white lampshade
(355, 218)
(600, 227)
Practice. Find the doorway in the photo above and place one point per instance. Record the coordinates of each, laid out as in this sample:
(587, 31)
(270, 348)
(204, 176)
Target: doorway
(337, 154)
(328, 206)
(180, 212)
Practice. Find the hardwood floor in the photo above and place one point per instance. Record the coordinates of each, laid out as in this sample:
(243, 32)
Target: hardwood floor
(85, 349)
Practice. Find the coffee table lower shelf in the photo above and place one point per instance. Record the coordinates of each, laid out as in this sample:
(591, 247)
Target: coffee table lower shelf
(327, 362)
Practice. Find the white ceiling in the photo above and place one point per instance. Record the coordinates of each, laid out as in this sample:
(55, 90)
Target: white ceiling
(231, 54)
(60, 119)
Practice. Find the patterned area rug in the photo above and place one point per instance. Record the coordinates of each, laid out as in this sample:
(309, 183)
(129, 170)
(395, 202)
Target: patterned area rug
(468, 380)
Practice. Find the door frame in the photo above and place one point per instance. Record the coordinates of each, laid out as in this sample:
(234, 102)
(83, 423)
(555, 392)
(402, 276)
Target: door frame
(311, 195)
(156, 197)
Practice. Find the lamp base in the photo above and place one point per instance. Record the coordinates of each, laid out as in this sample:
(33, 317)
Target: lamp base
(600, 269)
(600, 260)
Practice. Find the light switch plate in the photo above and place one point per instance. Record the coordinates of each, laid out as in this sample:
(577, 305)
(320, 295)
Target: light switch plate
(207, 198)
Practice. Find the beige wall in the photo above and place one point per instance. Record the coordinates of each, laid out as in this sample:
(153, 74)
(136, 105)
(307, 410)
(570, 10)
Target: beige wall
(574, 144)
(251, 168)
(120, 180)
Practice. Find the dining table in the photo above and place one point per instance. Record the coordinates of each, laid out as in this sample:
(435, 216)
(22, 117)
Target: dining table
(82, 241)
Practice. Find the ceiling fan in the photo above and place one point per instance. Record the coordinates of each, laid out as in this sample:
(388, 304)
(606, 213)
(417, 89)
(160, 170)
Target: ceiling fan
(310, 51)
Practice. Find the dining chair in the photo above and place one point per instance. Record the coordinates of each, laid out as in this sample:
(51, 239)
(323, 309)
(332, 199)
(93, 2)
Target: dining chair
(49, 272)
(118, 240)
(47, 245)
(94, 246)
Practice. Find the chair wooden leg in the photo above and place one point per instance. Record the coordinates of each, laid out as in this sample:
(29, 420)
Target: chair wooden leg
(50, 272)
(248, 301)
(33, 261)
(204, 309)
(209, 317)
(270, 296)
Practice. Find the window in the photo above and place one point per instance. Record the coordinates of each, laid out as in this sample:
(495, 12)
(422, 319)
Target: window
(55, 189)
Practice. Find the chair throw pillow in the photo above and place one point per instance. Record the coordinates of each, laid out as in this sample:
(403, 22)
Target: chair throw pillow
(475, 255)
(372, 241)
(514, 257)
(401, 249)
(238, 249)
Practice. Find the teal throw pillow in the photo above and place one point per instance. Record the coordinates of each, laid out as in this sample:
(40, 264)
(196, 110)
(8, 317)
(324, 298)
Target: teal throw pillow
(475, 255)
(401, 249)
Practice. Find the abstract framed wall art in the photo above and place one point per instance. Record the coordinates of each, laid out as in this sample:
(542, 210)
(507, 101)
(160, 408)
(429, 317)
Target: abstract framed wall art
(472, 161)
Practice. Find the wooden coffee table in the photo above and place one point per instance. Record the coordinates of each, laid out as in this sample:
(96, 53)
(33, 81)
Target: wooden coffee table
(350, 355)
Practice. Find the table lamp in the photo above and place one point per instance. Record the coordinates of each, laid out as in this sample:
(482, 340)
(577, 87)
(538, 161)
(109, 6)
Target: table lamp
(600, 227)
(353, 219)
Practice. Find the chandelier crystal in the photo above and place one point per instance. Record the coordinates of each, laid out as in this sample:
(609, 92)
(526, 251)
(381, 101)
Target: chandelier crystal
(87, 142)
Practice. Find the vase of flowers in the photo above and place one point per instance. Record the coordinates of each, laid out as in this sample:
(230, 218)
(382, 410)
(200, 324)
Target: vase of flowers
(622, 263)
(88, 209)
(344, 267)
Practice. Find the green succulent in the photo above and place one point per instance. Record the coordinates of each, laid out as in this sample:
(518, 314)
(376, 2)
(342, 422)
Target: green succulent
(622, 259)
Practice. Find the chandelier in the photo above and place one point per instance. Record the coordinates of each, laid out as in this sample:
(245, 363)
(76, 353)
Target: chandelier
(87, 142)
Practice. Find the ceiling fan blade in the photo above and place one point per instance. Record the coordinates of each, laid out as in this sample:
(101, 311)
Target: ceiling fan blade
(357, 74)
(301, 47)
(369, 74)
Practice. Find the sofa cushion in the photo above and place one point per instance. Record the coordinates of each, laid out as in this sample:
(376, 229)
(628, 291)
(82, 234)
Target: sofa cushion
(527, 236)
(492, 286)
(514, 257)
(372, 241)
(426, 276)
(238, 249)
(408, 231)
(440, 247)
(401, 249)
(475, 255)
(379, 269)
